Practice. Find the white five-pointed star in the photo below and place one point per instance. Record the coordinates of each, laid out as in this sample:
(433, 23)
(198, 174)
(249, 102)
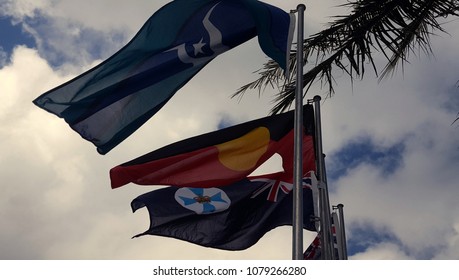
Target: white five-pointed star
(198, 47)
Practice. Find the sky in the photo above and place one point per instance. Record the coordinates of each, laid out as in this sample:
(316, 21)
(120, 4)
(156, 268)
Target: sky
(391, 146)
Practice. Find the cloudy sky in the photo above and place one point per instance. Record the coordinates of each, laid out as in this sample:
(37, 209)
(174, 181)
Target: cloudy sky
(392, 150)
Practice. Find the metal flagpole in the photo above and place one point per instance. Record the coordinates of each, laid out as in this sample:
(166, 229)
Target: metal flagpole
(338, 252)
(342, 233)
(325, 227)
(297, 240)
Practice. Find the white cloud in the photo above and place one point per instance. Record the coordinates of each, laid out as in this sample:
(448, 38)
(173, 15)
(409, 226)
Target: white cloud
(20, 9)
(451, 248)
(75, 32)
(3, 57)
(382, 251)
(416, 202)
(416, 109)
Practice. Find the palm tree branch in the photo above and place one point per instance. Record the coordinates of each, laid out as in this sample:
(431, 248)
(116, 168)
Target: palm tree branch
(393, 28)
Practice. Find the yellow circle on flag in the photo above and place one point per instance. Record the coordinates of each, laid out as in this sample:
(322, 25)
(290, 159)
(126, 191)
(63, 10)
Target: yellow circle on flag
(243, 153)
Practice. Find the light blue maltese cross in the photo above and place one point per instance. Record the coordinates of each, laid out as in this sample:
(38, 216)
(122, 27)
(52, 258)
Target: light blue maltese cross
(203, 201)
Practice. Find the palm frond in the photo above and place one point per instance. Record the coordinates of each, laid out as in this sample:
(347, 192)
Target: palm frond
(393, 28)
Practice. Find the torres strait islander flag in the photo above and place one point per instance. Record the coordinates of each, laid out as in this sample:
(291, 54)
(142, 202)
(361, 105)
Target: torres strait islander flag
(106, 104)
(221, 157)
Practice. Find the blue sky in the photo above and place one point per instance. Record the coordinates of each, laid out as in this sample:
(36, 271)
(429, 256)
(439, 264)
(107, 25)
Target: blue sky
(392, 153)
(13, 35)
(365, 152)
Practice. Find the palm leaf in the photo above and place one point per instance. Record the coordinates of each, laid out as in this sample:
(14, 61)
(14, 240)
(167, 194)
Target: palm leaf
(393, 28)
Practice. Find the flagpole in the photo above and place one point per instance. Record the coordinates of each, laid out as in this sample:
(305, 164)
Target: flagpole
(297, 240)
(338, 252)
(342, 233)
(325, 226)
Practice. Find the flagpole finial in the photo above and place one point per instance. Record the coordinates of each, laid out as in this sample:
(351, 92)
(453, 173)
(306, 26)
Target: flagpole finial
(301, 7)
(317, 98)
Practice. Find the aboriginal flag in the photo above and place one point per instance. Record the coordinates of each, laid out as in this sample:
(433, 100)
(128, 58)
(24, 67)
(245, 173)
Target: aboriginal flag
(221, 157)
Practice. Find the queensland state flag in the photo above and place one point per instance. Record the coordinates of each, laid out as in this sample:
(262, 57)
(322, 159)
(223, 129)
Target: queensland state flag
(110, 101)
(221, 157)
(232, 217)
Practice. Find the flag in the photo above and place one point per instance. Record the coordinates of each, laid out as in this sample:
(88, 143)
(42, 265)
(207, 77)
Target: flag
(232, 217)
(313, 252)
(221, 157)
(106, 104)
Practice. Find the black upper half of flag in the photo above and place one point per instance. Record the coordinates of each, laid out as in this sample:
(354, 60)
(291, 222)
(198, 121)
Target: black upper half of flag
(278, 125)
(233, 217)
